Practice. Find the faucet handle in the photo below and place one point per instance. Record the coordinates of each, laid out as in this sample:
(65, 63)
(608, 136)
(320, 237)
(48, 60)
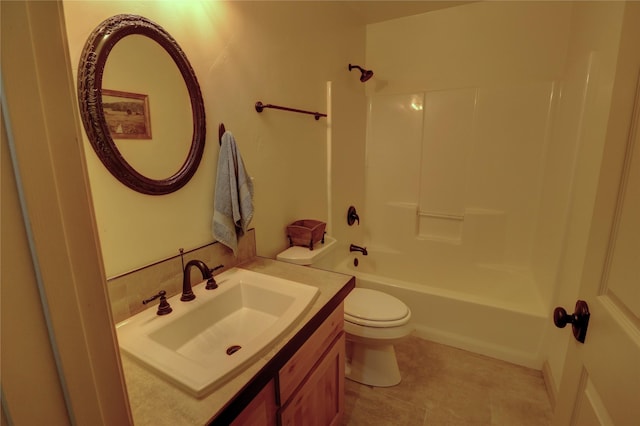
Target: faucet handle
(164, 307)
(211, 282)
(352, 216)
(215, 268)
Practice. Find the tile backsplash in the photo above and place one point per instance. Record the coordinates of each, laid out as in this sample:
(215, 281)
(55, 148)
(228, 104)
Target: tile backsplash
(127, 291)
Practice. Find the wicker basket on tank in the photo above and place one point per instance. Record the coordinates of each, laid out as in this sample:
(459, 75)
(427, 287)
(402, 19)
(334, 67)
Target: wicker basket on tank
(306, 233)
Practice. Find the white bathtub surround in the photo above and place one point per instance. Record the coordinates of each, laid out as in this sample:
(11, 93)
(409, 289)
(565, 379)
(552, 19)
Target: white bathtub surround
(454, 232)
(484, 308)
(447, 137)
(458, 152)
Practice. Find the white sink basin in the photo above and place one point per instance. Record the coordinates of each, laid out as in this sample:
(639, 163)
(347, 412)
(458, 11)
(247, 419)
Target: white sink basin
(243, 316)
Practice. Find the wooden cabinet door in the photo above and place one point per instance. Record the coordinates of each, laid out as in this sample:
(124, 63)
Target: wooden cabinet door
(301, 363)
(319, 401)
(261, 411)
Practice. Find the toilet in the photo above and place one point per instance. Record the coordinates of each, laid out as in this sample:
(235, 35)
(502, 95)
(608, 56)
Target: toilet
(373, 322)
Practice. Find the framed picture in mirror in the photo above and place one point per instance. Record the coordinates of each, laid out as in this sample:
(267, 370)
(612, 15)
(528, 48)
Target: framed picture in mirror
(126, 114)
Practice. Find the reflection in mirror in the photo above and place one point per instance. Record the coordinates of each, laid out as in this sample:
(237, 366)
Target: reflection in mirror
(139, 65)
(156, 108)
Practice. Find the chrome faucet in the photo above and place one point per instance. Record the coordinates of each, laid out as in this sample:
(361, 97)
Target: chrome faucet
(362, 250)
(187, 293)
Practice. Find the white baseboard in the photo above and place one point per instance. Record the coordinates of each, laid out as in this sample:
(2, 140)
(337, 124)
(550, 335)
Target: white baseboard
(549, 383)
(480, 347)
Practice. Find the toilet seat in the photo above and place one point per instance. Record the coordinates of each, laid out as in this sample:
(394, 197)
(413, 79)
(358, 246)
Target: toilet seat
(372, 308)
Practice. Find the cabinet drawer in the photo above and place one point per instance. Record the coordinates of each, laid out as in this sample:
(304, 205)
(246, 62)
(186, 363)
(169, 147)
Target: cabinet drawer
(294, 371)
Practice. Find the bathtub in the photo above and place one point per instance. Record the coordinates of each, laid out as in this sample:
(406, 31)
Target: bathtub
(487, 309)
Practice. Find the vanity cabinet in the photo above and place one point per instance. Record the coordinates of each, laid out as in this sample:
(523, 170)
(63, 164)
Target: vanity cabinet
(261, 410)
(320, 398)
(312, 381)
(310, 384)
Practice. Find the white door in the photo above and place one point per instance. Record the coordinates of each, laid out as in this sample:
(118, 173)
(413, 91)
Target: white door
(601, 381)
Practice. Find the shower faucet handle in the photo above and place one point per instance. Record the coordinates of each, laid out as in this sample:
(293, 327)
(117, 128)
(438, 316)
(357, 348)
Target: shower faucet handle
(352, 216)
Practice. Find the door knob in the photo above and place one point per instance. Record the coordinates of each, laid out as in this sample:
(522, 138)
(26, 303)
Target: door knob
(579, 320)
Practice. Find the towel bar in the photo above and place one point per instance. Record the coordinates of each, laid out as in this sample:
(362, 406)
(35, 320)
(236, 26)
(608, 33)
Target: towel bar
(260, 107)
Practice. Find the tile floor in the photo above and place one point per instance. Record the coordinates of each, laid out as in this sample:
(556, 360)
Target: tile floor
(444, 386)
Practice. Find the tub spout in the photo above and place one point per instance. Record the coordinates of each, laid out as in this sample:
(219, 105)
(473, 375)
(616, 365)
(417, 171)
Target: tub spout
(362, 250)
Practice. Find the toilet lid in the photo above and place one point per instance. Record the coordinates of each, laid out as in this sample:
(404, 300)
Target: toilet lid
(373, 305)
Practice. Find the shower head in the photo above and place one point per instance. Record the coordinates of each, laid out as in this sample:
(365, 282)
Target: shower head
(366, 74)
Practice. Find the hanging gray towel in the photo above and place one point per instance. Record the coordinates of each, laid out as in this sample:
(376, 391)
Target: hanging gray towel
(233, 200)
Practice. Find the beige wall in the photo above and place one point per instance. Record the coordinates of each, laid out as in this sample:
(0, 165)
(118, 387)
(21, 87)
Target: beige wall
(276, 52)
(478, 44)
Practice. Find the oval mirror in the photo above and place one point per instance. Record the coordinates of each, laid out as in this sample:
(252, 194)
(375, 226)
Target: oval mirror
(136, 86)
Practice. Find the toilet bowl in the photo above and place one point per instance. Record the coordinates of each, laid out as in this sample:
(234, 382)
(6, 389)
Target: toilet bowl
(373, 322)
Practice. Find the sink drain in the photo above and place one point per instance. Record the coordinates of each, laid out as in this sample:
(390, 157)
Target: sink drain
(233, 349)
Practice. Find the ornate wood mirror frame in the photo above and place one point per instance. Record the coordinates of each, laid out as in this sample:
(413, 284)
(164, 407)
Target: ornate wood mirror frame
(90, 73)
